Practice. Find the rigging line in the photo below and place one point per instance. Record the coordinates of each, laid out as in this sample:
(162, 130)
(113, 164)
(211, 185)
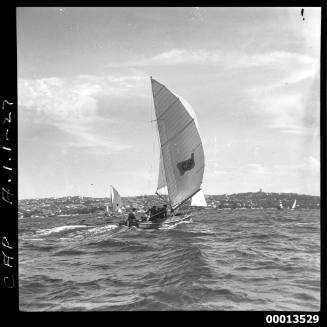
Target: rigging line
(153, 137)
(165, 169)
(178, 205)
(162, 198)
(157, 149)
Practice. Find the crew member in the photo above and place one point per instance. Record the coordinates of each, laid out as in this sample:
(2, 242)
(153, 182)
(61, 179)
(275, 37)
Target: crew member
(131, 219)
(163, 211)
(153, 212)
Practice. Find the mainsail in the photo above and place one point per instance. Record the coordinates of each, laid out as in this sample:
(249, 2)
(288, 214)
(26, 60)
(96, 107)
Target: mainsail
(181, 153)
(198, 200)
(161, 179)
(280, 204)
(116, 202)
(294, 204)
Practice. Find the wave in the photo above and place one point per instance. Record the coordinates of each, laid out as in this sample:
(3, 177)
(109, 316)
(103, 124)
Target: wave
(29, 238)
(68, 252)
(222, 261)
(173, 224)
(102, 229)
(60, 229)
(38, 247)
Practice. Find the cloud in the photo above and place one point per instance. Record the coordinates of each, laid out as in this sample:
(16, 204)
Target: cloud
(254, 168)
(71, 105)
(309, 165)
(211, 173)
(287, 111)
(279, 86)
(276, 86)
(54, 100)
(87, 137)
(73, 98)
(278, 59)
(289, 99)
(213, 170)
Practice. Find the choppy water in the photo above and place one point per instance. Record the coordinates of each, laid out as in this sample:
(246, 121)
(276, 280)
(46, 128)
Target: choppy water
(220, 260)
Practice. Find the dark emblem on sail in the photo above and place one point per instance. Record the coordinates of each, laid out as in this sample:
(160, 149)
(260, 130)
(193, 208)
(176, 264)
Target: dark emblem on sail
(186, 165)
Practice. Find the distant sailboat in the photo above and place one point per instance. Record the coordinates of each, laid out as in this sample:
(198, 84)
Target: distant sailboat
(280, 207)
(294, 205)
(181, 164)
(115, 202)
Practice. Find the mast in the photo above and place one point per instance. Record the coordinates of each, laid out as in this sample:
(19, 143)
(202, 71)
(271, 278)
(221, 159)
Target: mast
(161, 164)
(111, 197)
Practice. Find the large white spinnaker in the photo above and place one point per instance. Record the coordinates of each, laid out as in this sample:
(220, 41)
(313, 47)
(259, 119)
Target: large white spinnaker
(182, 158)
(116, 202)
(198, 200)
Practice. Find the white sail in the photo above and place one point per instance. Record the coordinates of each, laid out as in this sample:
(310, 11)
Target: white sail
(198, 200)
(181, 147)
(294, 204)
(281, 204)
(116, 202)
(161, 178)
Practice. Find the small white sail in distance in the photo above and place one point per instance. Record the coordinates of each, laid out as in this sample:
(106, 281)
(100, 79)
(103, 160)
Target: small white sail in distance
(198, 200)
(116, 202)
(281, 204)
(294, 204)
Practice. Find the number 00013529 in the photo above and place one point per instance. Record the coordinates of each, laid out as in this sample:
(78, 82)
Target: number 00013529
(293, 318)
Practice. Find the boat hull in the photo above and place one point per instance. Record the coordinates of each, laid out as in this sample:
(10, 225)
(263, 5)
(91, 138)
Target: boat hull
(165, 222)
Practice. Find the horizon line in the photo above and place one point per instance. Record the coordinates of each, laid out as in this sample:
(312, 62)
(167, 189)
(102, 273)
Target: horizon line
(130, 196)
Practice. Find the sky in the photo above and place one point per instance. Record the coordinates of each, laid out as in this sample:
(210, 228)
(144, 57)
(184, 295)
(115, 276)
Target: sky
(85, 106)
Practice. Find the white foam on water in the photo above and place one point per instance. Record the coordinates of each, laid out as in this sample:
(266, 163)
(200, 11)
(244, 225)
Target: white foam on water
(60, 229)
(102, 229)
(173, 225)
(31, 239)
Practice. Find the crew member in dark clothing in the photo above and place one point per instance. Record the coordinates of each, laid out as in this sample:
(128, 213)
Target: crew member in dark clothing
(131, 219)
(153, 213)
(163, 211)
(148, 212)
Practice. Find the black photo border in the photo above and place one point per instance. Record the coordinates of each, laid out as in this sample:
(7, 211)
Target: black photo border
(9, 279)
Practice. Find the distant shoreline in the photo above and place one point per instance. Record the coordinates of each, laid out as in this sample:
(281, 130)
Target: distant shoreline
(77, 205)
(281, 194)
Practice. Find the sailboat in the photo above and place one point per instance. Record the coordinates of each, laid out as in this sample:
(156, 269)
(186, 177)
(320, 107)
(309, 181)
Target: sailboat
(294, 205)
(280, 207)
(115, 202)
(182, 163)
